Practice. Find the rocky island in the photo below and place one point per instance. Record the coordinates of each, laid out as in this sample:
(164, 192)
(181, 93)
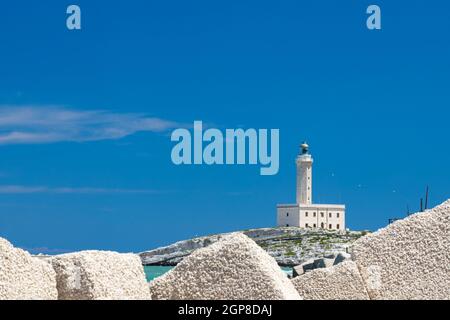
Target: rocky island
(290, 246)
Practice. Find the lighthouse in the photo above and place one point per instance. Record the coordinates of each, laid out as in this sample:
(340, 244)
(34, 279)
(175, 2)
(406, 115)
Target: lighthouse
(304, 163)
(305, 213)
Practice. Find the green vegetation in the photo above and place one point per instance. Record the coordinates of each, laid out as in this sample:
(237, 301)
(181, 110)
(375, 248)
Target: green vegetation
(293, 245)
(290, 253)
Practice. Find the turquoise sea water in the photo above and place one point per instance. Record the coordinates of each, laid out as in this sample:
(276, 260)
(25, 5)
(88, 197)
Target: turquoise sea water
(152, 272)
(287, 270)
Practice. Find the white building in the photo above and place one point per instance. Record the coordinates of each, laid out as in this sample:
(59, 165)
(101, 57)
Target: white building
(304, 213)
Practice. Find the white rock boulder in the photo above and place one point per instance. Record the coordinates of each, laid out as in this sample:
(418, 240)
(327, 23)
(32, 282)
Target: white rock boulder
(23, 277)
(235, 267)
(100, 275)
(340, 282)
(409, 259)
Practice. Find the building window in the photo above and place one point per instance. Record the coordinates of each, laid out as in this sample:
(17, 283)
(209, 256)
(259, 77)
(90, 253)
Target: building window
(337, 215)
(287, 214)
(337, 226)
(287, 225)
(321, 225)
(306, 225)
(306, 213)
(329, 226)
(314, 214)
(329, 215)
(321, 214)
(314, 225)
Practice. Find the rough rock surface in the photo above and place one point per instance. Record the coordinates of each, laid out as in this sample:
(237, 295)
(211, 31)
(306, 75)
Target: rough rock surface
(289, 246)
(233, 268)
(23, 277)
(340, 282)
(409, 259)
(100, 275)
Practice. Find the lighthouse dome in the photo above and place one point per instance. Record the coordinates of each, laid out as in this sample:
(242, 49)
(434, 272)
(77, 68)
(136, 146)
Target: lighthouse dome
(304, 147)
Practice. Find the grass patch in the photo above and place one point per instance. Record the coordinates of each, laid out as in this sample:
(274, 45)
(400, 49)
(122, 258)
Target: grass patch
(290, 253)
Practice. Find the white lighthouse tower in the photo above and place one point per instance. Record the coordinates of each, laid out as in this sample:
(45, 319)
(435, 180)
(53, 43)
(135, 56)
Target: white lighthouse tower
(304, 175)
(304, 213)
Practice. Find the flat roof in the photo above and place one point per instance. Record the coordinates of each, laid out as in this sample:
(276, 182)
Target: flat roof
(312, 206)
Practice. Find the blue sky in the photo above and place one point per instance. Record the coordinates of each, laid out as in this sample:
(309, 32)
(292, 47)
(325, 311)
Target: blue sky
(86, 116)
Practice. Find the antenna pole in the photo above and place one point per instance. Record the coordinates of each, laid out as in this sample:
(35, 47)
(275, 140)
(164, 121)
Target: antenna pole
(421, 204)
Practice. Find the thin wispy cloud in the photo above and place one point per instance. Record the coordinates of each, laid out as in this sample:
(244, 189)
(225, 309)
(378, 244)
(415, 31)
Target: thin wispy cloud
(49, 124)
(20, 189)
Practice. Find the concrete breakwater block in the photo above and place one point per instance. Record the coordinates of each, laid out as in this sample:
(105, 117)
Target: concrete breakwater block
(341, 257)
(324, 262)
(339, 282)
(23, 277)
(409, 259)
(306, 266)
(235, 267)
(100, 275)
